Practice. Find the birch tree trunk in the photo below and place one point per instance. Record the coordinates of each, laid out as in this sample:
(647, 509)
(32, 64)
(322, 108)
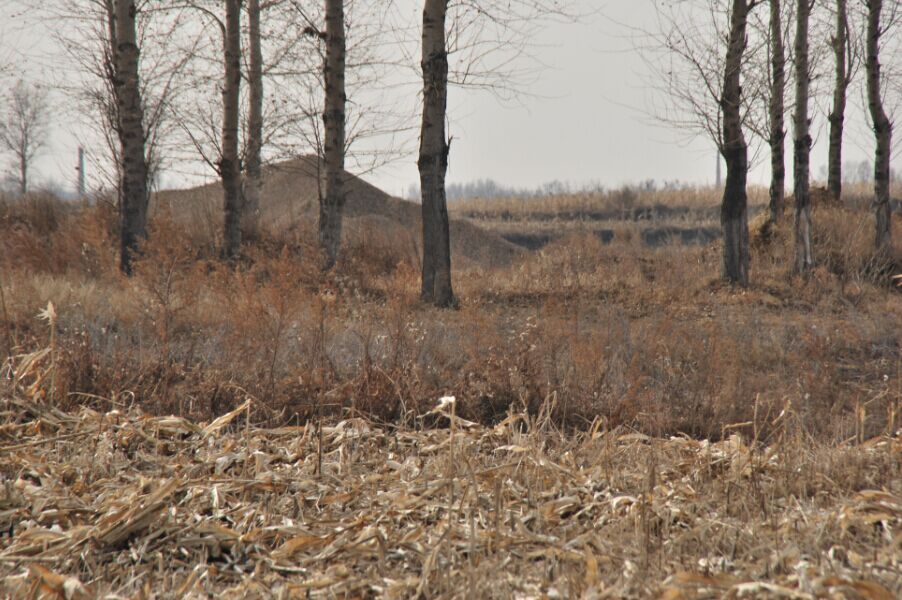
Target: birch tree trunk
(733, 212)
(777, 110)
(332, 197)
(840, 43)
(253, 182)
(229, 167)
(133, 196)
(433, 159)
(802, 142)
(883, 131)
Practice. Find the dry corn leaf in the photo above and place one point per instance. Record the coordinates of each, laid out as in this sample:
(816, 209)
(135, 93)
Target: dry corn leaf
(867, 590)
(298, 544)
(512, 512)
(223, 421)
(121, 525)
(60, 586)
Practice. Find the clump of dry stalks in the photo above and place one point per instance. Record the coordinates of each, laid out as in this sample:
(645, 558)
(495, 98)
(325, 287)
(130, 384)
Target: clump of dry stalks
(120, 504)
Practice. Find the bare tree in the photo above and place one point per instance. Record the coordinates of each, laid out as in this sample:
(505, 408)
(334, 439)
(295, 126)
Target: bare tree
(253, 164)
(883, 128)
(291, 64)
(332, 197)
(433, 160)
(802, 141)
(25, 127)
(734, 208)
(719, 93)
(476, 35)
(204, 130)
(777, 109)
(229, 163)
(686, 59)
(844, 68)
(133, 195)
(87, 36)
(350, 64)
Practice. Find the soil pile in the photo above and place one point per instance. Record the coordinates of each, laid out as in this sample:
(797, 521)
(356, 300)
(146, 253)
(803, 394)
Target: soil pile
(290, 200)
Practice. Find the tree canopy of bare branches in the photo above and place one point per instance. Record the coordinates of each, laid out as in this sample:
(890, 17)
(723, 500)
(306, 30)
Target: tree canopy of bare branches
(85, 31)
(24, 127)
(686, 56)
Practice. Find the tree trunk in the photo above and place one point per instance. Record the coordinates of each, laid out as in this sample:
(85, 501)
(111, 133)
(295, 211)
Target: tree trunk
(802, 143)
(111, 60)
(253, 181)
(733, 212)
(433, 160)
(110, 116)
(840, 43)
(883, 131)
(133, 196)
(23, 173)
(777, 108)
(332, 197)
(229, 167)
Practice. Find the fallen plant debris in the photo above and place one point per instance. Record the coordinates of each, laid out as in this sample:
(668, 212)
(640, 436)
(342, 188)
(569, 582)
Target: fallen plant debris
(124, 505)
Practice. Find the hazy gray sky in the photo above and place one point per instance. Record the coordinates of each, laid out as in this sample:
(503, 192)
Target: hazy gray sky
(586, 118)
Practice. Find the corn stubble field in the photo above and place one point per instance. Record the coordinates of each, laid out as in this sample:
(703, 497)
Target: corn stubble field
(623, 424)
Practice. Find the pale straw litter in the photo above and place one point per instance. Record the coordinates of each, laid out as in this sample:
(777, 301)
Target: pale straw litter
(120, 504)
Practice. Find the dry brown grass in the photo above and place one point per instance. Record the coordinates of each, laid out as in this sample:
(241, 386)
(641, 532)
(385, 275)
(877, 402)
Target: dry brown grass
(644, 337)
(637, 428)
(652, 217)
(620, 200)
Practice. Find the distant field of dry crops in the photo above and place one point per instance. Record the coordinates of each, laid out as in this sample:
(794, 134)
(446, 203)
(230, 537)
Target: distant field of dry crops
(624, 425)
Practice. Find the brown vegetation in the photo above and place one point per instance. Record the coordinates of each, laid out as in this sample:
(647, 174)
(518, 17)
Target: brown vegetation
(644, 337)
(575, 364)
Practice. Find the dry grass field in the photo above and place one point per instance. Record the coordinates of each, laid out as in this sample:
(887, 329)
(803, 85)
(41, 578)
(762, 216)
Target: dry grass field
(625, 425)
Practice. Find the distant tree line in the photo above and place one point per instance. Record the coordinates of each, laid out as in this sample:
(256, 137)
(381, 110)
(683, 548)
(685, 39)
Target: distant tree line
(490, 189)
(860, 172)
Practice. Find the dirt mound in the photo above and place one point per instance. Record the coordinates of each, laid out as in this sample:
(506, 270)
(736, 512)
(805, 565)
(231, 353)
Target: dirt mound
(290, 199)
